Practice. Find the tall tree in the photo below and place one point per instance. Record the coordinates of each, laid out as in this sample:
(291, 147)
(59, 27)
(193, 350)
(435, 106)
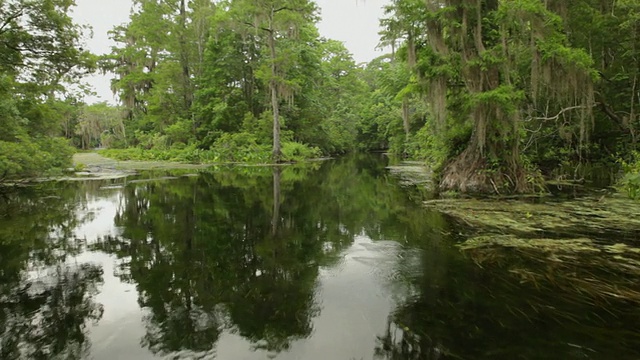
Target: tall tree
(160, 53)
(40, 54)
(492, 66)
(277, 21)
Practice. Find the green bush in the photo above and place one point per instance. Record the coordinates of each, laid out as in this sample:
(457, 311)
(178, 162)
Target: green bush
(181, 131)
(229, 147)
(631, 178)
(32, 158)
(240, 147)
(57, 153)
(112, 141)
(154, 141)
(181, 153)
(192, 154)
(295, 151)
(436, 149)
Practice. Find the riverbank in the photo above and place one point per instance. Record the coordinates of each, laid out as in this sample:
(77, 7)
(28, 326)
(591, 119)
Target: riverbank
(92, 165)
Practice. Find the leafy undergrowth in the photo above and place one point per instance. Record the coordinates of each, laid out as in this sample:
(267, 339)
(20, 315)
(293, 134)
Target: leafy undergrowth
(631, 179)
(228, 149)
(29, 158)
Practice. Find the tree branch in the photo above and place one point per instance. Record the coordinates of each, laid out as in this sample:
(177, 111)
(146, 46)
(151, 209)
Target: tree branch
(282, 9)
(258, 27)
(9, 19)
(611, 114)
(558, 114)
(607, 110)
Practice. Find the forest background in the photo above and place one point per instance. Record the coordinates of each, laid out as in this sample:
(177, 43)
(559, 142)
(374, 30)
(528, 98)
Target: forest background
(496, 96)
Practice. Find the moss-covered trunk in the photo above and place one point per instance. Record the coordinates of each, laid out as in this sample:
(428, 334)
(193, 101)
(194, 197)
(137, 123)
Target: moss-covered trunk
(500, 68)
(473, 171)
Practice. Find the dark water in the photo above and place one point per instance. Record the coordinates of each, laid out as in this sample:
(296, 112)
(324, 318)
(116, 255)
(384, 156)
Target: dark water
(330, 261)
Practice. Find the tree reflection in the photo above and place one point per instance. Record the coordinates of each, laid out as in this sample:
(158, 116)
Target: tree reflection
(276, 304)
(202, 251)
(46, 301)
(46, 317)
(241, 248)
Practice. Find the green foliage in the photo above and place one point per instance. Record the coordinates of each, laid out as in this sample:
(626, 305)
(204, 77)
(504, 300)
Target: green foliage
(180, 132)
(244, 147)
(126, 154)
(240, 147)
(517, 87)
(33, 158)
(192, 75)
(185, 154)
(631, 178)
(40, 53)
(436, 149)
(99, 125)
(295, 151)
(228, 148)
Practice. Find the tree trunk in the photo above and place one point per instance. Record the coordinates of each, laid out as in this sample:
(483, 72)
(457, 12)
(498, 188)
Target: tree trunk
(470, 172)
(275, 220)
(405, 117)
(273, 87)
(184, 58)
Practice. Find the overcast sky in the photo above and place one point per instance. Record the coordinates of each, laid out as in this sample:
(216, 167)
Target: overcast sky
(355, 22)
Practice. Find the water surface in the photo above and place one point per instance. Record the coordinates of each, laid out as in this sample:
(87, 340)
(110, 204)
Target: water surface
(334, 260)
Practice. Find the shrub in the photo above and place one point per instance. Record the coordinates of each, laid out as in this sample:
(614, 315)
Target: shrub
(181, 131)
(295, 151)
(631, 178)
(229, 147)
(240, 147)
(57, 153)
(31, 158)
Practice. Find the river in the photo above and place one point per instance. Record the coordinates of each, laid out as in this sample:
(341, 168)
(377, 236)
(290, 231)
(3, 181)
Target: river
(332, 260)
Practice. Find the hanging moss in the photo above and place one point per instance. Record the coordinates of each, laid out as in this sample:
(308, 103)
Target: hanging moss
(484, 82)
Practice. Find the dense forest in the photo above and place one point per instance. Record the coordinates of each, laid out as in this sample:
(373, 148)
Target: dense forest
(496, 96)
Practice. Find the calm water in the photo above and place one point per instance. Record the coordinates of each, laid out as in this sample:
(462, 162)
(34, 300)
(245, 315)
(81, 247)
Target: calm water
(332, 261)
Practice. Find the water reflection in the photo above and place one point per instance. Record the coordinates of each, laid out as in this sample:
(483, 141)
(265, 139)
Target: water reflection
(223, 250)
(47, 300)
(240, 250)
(328, 261)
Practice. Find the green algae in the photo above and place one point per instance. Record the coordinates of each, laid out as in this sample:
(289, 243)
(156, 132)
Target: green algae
(586, 248)
(511, 241)
(590, 216)
(412, 173)
(580, 266)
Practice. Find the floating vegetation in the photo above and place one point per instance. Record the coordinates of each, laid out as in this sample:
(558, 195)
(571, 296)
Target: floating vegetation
(583, 266)
(413, 173)
(568, 245)
(591, 217)
(585, 248)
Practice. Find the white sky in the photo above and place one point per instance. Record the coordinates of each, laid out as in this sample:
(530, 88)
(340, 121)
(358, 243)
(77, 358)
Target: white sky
(355, 22)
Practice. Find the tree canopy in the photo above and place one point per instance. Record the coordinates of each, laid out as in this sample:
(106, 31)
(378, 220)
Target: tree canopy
(494, 95)
(40, 55)
(516, 88)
